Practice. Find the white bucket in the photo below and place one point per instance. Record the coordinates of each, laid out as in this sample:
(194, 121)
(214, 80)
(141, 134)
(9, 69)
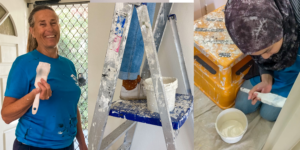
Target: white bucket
(231, 125)
(170, 85)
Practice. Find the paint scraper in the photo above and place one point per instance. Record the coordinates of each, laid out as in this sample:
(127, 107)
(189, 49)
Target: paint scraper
(268, 98)
(42, 71)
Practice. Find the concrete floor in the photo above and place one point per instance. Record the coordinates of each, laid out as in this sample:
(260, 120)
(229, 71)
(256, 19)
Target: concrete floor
(206, 136)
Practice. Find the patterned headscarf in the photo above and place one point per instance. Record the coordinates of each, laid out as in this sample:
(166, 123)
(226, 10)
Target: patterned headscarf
(254, 25)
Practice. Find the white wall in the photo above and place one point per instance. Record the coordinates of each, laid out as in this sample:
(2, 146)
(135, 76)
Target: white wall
(202, 7)
(285, 133)
(147, 136)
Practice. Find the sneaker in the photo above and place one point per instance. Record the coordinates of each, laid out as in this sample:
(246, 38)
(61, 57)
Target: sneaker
(135, 94)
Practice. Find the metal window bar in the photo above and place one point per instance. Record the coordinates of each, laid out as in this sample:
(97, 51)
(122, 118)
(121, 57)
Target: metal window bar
(73, 44)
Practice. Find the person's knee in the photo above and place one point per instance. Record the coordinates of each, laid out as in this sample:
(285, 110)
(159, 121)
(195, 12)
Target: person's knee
(269, 115)
(242, 103)
(246, 109)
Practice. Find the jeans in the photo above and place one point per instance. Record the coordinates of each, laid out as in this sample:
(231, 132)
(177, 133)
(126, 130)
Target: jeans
(134, 49)
(20, 146)
(242, 103)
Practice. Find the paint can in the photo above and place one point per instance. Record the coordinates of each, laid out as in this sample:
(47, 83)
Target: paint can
(170, 85)
(231, 125)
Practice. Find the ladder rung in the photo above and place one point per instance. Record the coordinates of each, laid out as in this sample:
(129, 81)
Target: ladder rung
(116, 134)
(128, 139)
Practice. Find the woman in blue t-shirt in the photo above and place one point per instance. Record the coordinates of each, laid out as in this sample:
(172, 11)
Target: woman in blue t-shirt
(268, 31)
(57, 121)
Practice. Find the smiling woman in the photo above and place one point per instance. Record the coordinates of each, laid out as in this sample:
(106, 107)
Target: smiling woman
(46, 32)
(57, 121)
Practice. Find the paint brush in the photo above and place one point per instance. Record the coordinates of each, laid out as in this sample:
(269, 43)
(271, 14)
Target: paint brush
(268, 98)
(42, 71)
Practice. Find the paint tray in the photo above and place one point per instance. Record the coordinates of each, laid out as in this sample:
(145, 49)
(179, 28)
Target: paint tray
(136, 110)
(219, 66)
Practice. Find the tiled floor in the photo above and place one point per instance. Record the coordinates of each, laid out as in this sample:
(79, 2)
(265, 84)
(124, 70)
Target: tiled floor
(206, 137)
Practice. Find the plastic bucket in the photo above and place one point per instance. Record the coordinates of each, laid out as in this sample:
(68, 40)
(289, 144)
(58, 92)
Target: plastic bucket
(170, 85)
(231, 125)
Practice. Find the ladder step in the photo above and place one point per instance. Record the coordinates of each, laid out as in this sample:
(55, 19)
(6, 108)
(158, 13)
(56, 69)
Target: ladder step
(136, 110)
(128, 139)
(114, 135)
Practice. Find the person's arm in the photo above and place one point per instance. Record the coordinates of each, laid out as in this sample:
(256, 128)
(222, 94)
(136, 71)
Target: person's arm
(266, 75)
(267, 78)
(265, 86)
(79, 136)
(14, 108)
(263, 71)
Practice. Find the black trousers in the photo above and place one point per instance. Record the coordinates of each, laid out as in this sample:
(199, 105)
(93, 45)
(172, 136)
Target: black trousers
(20, 146)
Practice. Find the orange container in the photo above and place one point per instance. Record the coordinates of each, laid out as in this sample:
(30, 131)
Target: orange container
(219, 66)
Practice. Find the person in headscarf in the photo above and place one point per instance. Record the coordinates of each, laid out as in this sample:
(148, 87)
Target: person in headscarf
(268, 31)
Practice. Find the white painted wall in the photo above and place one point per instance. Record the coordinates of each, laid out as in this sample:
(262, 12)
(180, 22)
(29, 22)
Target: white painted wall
(285, 133)
(147, 136)
(203, 7)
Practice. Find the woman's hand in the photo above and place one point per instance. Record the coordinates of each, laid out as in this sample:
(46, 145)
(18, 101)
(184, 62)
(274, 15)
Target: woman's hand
(45, 90)
(264, 86)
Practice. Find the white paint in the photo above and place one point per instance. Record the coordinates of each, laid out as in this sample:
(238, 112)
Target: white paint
(170, 85)
(231, 124)
(104, 103)
(231, 128)
(73, 77)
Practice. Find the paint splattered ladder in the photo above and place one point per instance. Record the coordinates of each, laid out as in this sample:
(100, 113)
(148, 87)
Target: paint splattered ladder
(113, 59)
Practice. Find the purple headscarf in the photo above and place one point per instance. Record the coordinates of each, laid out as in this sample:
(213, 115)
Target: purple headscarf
(254, 25)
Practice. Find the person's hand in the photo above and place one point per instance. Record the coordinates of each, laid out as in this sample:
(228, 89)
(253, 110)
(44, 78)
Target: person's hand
(32, 94)
(45, 90)
(263, 87)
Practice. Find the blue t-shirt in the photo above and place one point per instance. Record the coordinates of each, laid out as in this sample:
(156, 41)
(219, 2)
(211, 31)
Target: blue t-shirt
(283, 79)
(55, 123)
